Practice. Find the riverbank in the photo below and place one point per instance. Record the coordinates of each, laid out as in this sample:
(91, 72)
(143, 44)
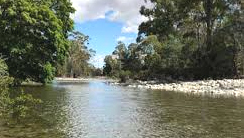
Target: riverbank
(64, 79)
(233, 87)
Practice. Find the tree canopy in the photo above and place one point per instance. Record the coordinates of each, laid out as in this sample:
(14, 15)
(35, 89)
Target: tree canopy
(77, 61)
(34, 36)
(192, 39)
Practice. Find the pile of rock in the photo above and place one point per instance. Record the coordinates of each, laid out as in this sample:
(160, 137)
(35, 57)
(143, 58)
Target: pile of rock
(219, 87)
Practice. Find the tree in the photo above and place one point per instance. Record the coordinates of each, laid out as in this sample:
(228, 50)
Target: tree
(120, 50)
(184, 39)
(34, 37)
(112, 66)
(189, 30)
(228, 43)
(77, 61)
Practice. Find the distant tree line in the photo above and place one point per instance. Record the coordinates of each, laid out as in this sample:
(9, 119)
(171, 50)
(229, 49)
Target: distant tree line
(184, 39)
(77, 63)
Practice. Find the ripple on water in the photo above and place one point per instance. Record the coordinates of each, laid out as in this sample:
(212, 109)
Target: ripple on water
(96, 110)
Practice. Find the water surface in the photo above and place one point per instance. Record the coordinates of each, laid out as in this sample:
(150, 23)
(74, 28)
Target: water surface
(97, 110)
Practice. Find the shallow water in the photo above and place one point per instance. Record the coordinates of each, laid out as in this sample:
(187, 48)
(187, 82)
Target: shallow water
(97, 110)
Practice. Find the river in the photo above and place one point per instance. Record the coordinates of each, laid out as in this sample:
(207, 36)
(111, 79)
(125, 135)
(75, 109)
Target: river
(95, 109)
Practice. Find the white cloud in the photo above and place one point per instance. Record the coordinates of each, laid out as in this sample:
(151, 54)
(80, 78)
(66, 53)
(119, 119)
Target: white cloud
(129, 29)
(98, 60)
(125, 39)
(124, 11)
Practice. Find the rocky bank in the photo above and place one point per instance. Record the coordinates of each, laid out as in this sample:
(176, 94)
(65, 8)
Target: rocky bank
(217, 87)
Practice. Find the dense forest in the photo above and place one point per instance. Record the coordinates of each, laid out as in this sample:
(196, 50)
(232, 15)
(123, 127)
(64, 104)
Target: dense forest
(184, 39)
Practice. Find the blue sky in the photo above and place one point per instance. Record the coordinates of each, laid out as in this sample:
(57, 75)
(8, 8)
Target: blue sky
(106, 22)
(104, 35)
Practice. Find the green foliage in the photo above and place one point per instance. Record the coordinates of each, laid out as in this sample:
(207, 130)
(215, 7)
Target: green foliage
(17, 107)
(153, 64)
(49, 73)
(227, 50)
(193, 39)
(124, 76)
(171, 52)
(3, 69)
(34, 34)
(22, 106)
(97, 72)
(112, 65)
(77, 61)
(5, 81)
(13, 105)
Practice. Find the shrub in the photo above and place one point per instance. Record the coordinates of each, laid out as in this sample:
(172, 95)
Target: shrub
(124, 76)
(18, 106)
(49, 73)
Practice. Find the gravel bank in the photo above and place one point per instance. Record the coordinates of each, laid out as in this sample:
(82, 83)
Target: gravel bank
(217, 87)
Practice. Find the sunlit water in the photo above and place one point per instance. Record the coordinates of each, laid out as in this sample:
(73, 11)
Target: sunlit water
(97, 110)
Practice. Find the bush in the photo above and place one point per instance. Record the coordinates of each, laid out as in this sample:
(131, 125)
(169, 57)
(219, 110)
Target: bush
(49, 73)
(5, 81)
(18, 106)
(22, 106)
(124, 76)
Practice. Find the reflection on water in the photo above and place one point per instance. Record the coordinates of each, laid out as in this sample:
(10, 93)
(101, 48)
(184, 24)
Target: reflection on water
(96, 110)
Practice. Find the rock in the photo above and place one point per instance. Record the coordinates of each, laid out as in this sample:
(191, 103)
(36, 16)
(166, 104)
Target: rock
(215, 87)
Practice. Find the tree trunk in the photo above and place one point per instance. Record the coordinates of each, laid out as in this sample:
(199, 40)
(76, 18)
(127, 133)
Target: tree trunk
(71, 72)
(234, 58)
(208, 10)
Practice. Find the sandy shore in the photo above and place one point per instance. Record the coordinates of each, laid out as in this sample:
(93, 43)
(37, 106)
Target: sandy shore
(216, 87)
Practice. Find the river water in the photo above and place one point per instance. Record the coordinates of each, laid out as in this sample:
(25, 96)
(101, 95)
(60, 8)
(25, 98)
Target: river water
(97, 110)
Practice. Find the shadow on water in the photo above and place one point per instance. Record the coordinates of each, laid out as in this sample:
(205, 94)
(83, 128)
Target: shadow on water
(94, 109)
